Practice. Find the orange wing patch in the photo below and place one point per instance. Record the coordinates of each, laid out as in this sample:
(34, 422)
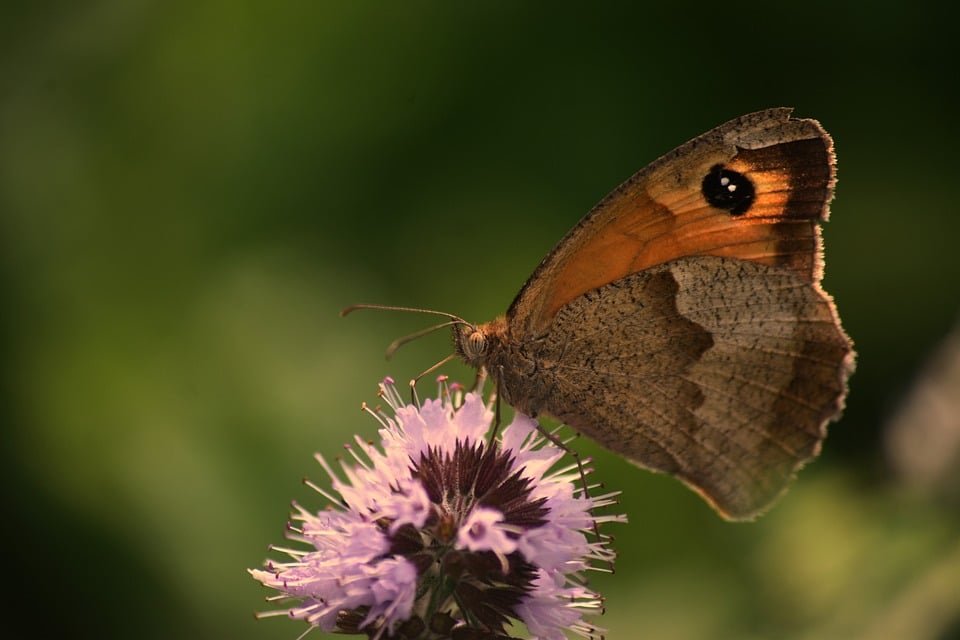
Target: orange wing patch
(662, 214)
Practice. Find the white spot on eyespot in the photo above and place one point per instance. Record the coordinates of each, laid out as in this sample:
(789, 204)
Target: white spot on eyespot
(724, 181)
(732, 188)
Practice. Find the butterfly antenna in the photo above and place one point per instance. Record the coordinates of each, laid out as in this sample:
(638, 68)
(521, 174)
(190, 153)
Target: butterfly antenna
(399, 342)
(385, 307)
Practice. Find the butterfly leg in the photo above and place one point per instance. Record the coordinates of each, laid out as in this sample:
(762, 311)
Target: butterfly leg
(413, 382)
(560, 444)
(496, 413)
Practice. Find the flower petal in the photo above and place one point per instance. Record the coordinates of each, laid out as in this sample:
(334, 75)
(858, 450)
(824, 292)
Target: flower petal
(480, 532)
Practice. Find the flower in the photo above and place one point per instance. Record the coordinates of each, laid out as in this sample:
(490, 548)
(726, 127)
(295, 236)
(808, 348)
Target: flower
(440, 532)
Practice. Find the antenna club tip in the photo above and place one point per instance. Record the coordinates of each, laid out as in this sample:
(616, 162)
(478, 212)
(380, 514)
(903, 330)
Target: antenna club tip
(346, 311)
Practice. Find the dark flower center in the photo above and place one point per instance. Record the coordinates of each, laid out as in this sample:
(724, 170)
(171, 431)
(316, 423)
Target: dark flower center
(486, 586)
(475, 475)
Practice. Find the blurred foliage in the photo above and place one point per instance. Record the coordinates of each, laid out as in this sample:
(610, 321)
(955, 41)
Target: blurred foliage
(190, 191)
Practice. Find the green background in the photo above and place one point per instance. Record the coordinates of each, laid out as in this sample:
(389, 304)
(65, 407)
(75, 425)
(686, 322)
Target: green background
(190, 191)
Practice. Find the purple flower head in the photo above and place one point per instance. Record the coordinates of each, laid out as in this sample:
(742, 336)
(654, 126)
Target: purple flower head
(440, 533)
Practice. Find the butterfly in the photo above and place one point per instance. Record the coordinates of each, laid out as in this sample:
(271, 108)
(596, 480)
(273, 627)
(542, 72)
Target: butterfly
(681, 323)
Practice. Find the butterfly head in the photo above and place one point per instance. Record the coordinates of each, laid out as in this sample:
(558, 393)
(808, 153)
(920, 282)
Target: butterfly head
(470, 343)
(474, 343)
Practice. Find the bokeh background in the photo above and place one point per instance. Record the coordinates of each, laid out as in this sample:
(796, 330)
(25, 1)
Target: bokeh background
(190, 191)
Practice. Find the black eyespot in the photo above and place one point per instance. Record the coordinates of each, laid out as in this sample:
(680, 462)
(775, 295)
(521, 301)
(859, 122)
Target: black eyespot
(728, 189)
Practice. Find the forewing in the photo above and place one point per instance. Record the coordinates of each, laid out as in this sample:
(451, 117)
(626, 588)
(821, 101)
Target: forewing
(661, 213)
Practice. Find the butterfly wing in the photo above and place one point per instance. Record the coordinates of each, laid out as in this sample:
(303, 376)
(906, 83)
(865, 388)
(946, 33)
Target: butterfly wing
(662, 213)
(721, 372)
(682, 325)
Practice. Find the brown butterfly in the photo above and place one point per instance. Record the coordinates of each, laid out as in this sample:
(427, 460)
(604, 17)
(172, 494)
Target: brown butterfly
(681, 323)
